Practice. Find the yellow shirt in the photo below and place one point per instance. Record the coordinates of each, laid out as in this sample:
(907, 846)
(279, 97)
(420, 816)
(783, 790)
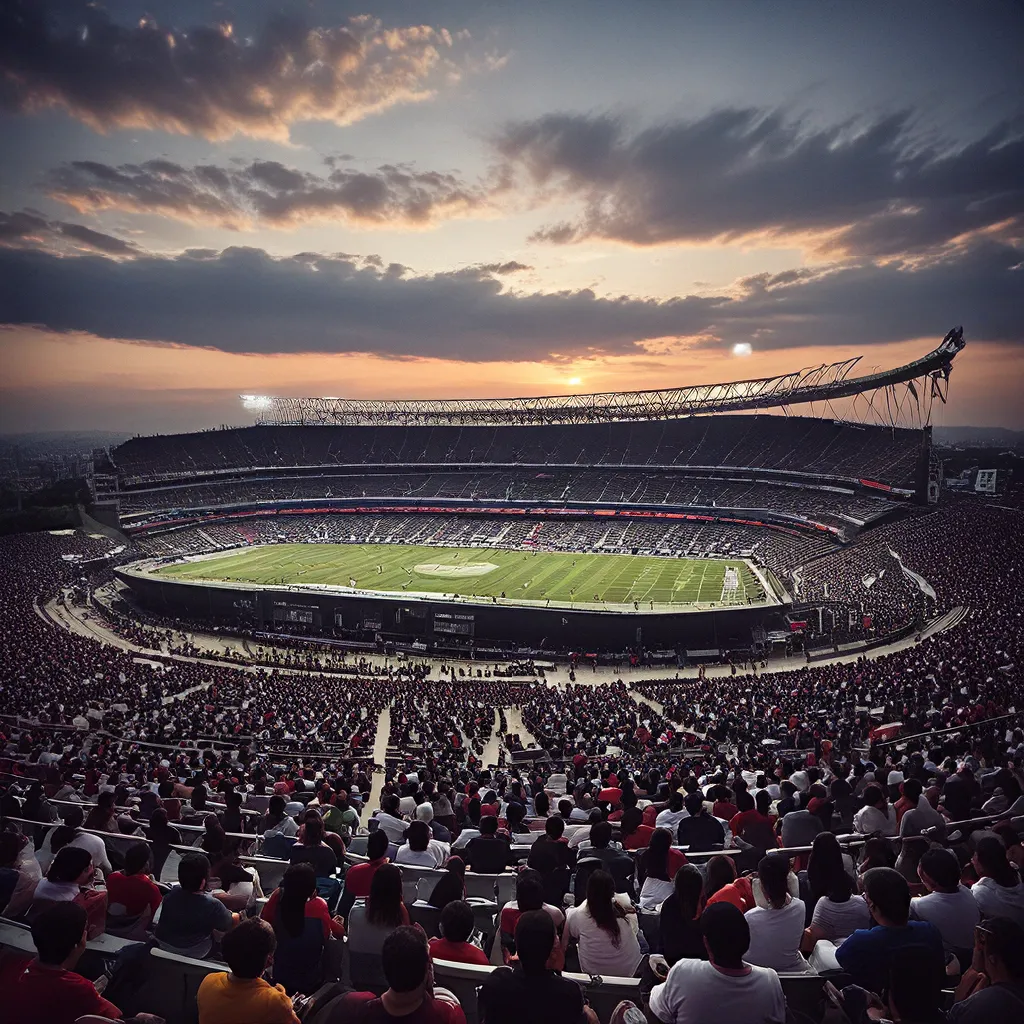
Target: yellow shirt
(225, 999)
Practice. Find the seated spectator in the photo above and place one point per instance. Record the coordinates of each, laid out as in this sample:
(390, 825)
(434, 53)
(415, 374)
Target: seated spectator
(529, 896)
(865, 955)
(918, 814)
(998, 890)
(877, 816)
(232, 881)
(724, 987)
(46, 990)
(162, 837)
(456, 927)
(776, 924)
(102, 817)
(132, 894)
(532, 991)
(70, 834)
(11, 844)
(838, 910)
(389, 818)
(232, 818)
(800, 827)
(721, 885)
(371, 923)
(679, 921)
(617, 863)
(243, 995)
(213, 838)
(699, 831)
(607, 940)
(70, 879)
(488, 853)
(451, 886)
(673, 814)
(303, 927)
(993, 988)
(410, 995)
(340, 818)
(276, 822)
(551, 850)
(422, 850)
(660, 862)
(913, 992)
(359, 876)
(190, 917)
(632, 832)
(950, 906)
(311, 848)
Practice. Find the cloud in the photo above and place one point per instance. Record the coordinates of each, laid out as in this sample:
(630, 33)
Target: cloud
(207, 80)
(244, 300)
(858, 189)
(265, 193)
(25, 229)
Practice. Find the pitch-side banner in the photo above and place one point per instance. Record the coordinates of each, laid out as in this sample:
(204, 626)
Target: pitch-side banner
(986, 482)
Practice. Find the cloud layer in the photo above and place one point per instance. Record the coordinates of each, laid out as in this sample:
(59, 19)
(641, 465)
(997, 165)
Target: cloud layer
(30, 230)
(206, 80)
(866, 189)
(244, 300)
(264, 192)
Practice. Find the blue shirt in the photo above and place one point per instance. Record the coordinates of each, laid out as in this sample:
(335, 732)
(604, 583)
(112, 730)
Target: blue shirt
(867, 954)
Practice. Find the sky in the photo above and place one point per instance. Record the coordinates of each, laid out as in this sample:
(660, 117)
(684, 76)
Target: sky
(434, 199)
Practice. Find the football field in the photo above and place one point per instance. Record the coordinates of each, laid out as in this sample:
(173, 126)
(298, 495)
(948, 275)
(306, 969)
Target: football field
(512, 575)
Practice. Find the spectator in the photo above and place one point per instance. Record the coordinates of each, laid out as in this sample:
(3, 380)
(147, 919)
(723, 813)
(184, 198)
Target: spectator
(359, 876)
(800, 827)
(699, 831)
(370, 924)
(724, 987)
(488, 853)
(451, 886)
(456, 927)
(634, 834)
(190, 917)
(914, 990)
(70, 875)
(992, 989)
(608, 944)
(225, 998)
(410, 994)
(838, 910)
(532, 991)
(20, 870)
(389, 818)
(679, 918)
(998, 890)
(304, 929)
(551, 851)
(311, 848)
(529, 896)
(865, 955)
(70, 834)
(618, 864)
(162, 836)
(46, 990)
(131, 893)
(950, 906)
(721, 885)
(420, 849)
(673, 814)
(660, 863)
(102, 817)
(877, 816)
(776, 924)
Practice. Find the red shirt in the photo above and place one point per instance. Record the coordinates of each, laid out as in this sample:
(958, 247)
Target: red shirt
(457, 952)
(359, 876)
(367, 1008)
(611, 795)
(316, 907)
(134, 892)
(740, 821)
(36, 994)
(638, 840)
(650, 815)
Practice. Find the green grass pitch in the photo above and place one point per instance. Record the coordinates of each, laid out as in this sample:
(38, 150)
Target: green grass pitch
(527, 576)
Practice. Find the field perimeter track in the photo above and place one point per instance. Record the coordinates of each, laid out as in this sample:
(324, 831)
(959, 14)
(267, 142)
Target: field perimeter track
(515, 577)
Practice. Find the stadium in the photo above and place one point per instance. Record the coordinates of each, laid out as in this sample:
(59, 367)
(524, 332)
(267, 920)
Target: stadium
(690, 520)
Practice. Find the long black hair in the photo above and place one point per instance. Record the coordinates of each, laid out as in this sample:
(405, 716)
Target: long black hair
(384, 904)
(298, 887)
(826, 873)
(656, 857)
(602, 906)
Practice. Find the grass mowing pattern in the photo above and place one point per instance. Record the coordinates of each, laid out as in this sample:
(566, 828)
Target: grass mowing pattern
(520, 575)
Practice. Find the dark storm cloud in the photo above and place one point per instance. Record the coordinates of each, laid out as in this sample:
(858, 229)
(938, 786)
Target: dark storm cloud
(25, 229)
(207, 80)
(864, 189)
(264, 193)
(244, 300)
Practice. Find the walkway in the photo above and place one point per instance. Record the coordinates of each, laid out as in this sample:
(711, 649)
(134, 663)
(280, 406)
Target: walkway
(380, 750)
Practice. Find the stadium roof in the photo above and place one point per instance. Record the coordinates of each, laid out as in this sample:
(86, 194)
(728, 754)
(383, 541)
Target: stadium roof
(914, 385)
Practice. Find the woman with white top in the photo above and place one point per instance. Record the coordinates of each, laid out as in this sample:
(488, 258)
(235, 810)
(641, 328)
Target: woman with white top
(838, 910)
(777, 922)
(998, 890)
(608, 945)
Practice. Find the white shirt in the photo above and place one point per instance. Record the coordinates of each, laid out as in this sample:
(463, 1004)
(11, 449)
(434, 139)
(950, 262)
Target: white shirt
(775, 936)
(995, 900)
(954, 913)
(869, 820)
(433, 856)
(696, 992)
(97, 850)
(670, 819)
(393, 827)
(598, 954)
(841, 920)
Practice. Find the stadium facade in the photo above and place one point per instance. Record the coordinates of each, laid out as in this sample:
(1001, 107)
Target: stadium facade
(686, 471)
